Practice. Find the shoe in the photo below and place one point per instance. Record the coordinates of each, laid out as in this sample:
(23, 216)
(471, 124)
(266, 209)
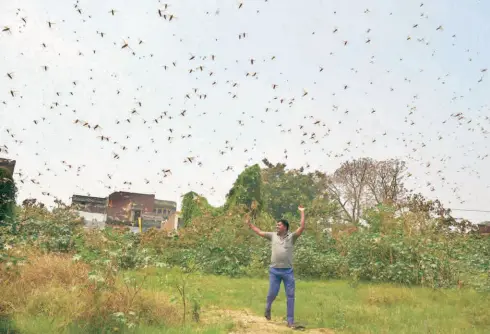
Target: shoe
(296, 327)
(267, 315)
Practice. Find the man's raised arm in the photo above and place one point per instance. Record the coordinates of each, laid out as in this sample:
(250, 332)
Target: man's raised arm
(254, 228)
(301, 227)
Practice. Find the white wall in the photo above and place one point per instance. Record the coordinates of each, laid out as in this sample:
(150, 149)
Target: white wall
(92, 219)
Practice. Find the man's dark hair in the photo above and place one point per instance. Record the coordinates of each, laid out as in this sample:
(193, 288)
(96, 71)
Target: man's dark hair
(285, 223)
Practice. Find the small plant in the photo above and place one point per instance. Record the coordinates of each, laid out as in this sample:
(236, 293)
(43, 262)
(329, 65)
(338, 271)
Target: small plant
(183, 281)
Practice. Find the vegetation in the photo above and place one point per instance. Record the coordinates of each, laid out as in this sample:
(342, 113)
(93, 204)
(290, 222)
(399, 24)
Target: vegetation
(8, 192)
(372, 252)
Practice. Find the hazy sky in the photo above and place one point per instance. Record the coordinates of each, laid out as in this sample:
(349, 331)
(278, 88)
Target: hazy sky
(399, 68)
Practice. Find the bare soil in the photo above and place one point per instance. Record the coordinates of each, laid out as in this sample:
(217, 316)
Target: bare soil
(247, 322)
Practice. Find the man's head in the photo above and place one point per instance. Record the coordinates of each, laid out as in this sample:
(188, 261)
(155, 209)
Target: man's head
(282, 226)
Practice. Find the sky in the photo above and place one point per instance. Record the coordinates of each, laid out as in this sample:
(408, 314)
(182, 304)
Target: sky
(229, 83)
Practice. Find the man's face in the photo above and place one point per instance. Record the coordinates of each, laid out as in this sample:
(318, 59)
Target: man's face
(280, 228)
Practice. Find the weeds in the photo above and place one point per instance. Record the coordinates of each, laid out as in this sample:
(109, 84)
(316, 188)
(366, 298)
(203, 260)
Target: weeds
(184, 281)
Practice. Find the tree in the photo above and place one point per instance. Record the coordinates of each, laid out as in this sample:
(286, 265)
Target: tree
(283, 190)
(434, 215)
(363, 183)
(8, 192)
(348, 187)
(190, 207)
(246, 189)
(385, 181)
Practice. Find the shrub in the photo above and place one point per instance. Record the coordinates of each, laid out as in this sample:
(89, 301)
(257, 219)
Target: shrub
(68, 292)
(8, 192)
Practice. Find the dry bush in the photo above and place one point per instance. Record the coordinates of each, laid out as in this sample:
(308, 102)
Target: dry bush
(386, 296)
(94, 239)
(54, 269)
(55, 286)
(159, 240)
(39, 274)
(150, 307)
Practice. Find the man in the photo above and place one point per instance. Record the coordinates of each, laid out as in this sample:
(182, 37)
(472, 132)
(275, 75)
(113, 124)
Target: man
(281, 267)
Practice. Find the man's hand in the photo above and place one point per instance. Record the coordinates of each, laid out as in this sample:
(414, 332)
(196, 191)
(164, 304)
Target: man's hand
(247, 219)
(301, 228)
(253, 227)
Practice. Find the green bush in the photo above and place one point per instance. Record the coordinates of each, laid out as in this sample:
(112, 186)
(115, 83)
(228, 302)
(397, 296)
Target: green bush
(8, 192)
(435, 261)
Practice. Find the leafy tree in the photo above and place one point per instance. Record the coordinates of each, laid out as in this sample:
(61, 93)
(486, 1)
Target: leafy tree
(8, 192)
(283, 190)
(190, 207)
(436, 216)
(246, 190)
(323, 213)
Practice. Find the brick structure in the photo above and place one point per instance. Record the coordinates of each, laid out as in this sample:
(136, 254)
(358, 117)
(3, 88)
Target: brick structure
(127, 207)
(484, 228)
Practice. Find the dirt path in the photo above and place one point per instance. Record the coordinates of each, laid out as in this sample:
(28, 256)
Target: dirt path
(247, 322)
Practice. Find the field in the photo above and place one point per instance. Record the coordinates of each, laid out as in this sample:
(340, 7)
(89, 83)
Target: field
(57, 300)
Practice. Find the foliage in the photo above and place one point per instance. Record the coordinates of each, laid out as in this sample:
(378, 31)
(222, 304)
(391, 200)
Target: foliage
(194, 206)
(246, 190)
(283, 190)
(384, 251)
(190, 207)
(185, 282)
(73, 296)
(8, 192)
(413, 242)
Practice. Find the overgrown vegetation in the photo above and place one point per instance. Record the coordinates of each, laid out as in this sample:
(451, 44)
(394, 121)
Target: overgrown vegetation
(8, 192)
(368, 231)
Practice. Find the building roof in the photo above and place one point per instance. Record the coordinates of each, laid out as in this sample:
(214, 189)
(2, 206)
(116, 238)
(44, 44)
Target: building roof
(165, 202)
(130, 193)
(88, 199)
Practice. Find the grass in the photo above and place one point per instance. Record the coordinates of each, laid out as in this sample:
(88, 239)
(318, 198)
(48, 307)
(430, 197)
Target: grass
(51, 294)
(367, 308)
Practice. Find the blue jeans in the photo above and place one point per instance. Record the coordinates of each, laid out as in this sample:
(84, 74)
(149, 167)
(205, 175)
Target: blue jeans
(276, 275)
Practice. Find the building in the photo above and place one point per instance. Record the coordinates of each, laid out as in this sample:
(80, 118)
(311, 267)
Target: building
(484, 228)
(173, 223)
(124, 208)
(91, 209)
(89, 203)
(8, 164)
(127, 207)
(164, 209)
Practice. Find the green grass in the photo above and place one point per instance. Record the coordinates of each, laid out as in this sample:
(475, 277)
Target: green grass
(337, 305)
(40, 324)
(367, 308)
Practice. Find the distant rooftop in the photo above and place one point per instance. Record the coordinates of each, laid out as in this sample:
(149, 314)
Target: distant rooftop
(164, 202)
(130, 193)
(88, 199)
